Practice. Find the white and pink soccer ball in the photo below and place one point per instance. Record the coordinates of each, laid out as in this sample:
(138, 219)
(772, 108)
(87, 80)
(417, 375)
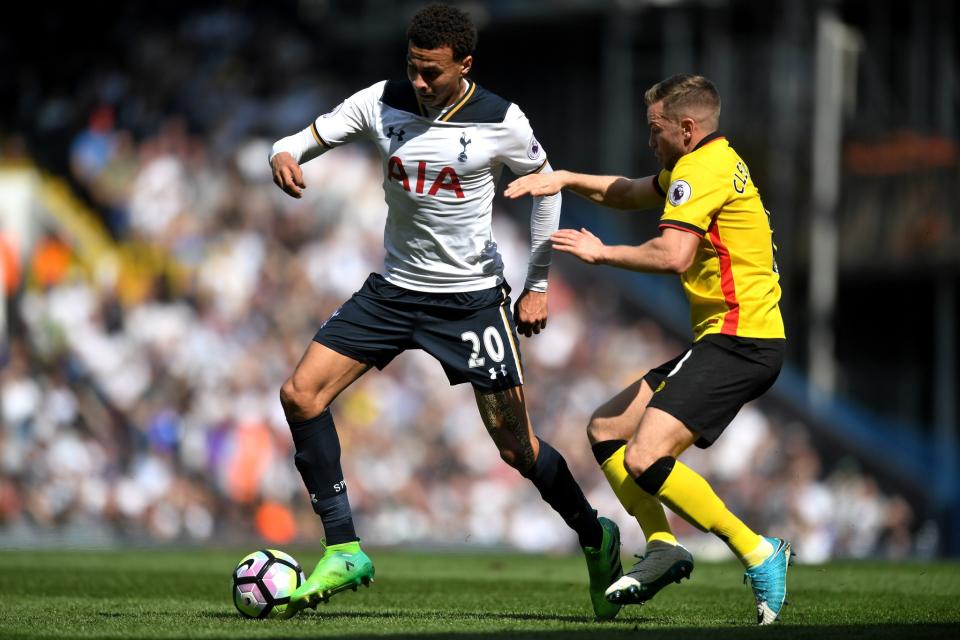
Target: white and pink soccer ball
(263, 582)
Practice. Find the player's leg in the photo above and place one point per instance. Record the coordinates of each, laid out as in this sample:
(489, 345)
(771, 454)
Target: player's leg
(473, 336)
(664, 561)
(368, 330)
(609, 429)
(695, 406)
(504, 414)
(651, 459)
(306, 396)
(475, 340)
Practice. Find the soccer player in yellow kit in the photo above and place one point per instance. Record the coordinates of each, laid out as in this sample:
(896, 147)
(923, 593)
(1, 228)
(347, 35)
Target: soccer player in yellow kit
(716, 234)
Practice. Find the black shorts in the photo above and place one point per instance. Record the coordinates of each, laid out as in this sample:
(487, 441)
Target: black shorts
(471, 333)
(705, 387)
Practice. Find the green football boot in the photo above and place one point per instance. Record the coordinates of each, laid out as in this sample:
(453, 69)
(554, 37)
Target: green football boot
(343, 566)
(603, 565)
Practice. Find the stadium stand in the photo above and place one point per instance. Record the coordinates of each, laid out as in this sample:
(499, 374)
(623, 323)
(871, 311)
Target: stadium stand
(173, 287)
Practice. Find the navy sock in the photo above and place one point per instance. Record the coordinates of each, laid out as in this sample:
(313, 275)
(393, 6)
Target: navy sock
(318, 461)
(552, 478)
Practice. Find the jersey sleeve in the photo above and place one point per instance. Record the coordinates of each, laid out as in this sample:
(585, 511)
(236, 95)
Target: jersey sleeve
(661, 181)
(519, 148)
(350, 120)
(693, 197)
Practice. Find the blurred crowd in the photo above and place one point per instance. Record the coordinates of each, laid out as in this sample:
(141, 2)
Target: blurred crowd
(160, 417)
(156, 417)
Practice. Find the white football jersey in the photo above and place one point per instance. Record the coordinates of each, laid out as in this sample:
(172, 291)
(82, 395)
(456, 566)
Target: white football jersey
(439, 178)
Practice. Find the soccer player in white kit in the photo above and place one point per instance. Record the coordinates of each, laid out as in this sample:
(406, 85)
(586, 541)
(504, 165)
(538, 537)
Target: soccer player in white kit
(443, 141)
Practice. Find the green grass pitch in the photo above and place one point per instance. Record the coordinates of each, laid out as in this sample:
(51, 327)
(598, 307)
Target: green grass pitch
(186, 594)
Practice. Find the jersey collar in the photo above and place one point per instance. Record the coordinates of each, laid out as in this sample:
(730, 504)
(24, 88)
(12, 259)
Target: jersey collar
(446, 114)
(707, 139)
(464, 99)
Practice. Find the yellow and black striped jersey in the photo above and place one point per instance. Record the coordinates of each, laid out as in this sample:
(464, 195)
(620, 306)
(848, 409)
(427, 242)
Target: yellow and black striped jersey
(733, 285)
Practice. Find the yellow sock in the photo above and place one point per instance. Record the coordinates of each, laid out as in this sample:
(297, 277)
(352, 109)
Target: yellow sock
(641, 505)
(758, 554)
(691, 497)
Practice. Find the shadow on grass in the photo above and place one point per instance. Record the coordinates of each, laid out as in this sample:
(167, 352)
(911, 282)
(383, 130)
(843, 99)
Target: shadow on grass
(638, 631)
(634, 628)
(319, 616)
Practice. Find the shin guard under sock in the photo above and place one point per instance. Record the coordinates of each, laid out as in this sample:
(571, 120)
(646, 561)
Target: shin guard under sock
(318, 461)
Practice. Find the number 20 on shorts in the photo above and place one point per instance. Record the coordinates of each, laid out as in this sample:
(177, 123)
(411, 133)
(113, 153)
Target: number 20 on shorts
(492, 343)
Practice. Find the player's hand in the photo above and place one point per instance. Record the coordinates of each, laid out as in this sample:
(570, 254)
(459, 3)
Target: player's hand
(536, 184)
(287, 174)
(582, 244)
(530, 312)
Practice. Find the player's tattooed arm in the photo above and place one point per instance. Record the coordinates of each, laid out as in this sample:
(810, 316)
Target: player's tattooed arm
(505, 418)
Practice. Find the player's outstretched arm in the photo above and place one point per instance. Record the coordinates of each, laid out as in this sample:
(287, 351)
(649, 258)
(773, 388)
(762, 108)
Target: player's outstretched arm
(671, 252)
(616, 192)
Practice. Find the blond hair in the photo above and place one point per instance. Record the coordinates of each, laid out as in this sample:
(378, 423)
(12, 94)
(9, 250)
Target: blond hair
(687, 95)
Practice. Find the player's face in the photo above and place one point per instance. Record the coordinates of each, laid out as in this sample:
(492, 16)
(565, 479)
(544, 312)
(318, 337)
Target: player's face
(666, 136)
(435, 75)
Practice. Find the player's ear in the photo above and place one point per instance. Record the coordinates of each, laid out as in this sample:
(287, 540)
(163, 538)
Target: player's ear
(465, 65)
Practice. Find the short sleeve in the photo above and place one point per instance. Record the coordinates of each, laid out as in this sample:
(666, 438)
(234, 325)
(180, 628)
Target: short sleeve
(519, 149)
(350, 120)
(693, 196)
(661, 181)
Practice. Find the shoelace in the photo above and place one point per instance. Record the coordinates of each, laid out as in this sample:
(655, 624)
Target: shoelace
(639, 558)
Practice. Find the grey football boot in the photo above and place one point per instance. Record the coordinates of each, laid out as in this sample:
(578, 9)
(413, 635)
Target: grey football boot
(661, 564)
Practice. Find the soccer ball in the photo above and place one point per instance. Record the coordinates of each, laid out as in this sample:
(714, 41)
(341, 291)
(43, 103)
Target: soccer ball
(263, 582)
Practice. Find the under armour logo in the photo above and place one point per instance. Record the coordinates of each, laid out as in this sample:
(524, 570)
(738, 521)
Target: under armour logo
(399, 134)
(332, 316)
(494, 373)
(463, 154)
(313, 498)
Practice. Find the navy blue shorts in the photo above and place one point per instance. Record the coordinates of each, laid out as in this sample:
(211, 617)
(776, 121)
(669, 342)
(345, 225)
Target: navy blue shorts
(471, 333)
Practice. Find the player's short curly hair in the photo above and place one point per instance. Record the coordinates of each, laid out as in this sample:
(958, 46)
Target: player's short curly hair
(683, 92)
(437, 25)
